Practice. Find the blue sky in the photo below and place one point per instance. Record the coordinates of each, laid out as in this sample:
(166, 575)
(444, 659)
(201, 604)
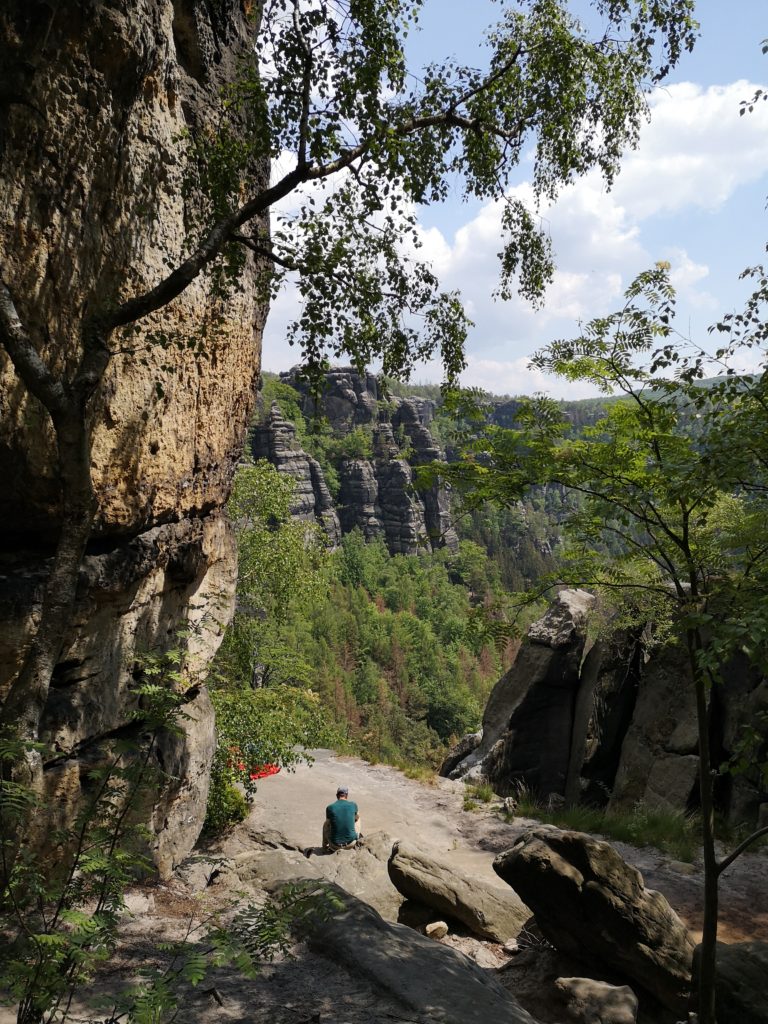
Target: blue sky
(693, 193)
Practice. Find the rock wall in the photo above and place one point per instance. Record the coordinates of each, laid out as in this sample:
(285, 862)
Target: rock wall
(274, 439)
(97, 97)
(376, 495)
(615, 726)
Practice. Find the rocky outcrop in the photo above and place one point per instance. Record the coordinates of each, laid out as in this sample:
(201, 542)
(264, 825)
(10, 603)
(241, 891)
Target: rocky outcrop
(432, 981)
(377, 495)
(605, 704)
(93, 208)
(596, 1002)
(489, 912)
(742, 699)
(529, 715)
(659, 763)
(274, 439)
(347, 398)
(590, 903)
(466, 745)
(615, 727)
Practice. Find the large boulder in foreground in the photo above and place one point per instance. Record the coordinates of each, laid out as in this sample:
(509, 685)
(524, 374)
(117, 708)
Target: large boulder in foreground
(742, 982)
(432, 981)
(590, 903)
(489, 912)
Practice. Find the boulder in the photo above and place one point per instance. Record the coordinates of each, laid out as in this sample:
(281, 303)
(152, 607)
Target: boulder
(490, 912)
(742, 982)
(431, 980)
(590, 903)
(462, 749)
(596, 1002)
(362, 872)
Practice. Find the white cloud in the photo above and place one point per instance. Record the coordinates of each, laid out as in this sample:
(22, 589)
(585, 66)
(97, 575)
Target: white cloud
(515, 377)
(696, 151)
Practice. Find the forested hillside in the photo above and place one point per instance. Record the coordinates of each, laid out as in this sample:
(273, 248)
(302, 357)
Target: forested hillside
(401, 649)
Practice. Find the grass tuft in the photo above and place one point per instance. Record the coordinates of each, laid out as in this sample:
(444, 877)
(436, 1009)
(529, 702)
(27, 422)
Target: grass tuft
(474, 795)
(672, 832)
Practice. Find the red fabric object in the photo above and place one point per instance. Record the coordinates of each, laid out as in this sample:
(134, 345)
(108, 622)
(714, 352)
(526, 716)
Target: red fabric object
(261, 771)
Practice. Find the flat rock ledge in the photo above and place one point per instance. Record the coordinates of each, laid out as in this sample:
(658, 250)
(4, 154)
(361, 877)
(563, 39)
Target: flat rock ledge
(431, 980)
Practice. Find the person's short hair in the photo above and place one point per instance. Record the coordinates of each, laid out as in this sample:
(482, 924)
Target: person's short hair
(342, 791)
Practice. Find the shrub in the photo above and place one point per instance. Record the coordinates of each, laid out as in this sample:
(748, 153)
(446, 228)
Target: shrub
(275, 725)
(357, 444)
(226, 805)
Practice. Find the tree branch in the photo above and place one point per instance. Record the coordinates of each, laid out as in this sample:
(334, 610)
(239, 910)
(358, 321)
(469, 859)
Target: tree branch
(265, 253)
(26, 359)
(306, 85)
(727, 861)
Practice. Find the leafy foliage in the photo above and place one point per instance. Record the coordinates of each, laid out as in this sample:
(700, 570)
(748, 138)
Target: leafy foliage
(674, 474)
(332, 88)
(275, 725)
(281, 567)
(61, 893)
(401, 647)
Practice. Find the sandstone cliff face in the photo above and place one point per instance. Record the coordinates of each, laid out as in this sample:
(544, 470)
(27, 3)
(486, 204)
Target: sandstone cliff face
(92, 210)
(376, 495)
(275, 440)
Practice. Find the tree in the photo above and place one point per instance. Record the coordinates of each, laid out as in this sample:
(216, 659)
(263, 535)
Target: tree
(280, 569)
(673, 510)
(330, 87)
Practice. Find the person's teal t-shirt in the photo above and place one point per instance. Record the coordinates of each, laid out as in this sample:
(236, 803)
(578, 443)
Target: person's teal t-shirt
(341, 815)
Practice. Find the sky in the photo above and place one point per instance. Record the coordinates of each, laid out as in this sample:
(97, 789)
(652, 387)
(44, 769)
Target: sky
(694, 193)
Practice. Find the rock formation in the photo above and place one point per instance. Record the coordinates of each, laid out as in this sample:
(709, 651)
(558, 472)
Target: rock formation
(275, 440)
(431, 980)
(590, 903)
(742, 969)
(489, 912)
(614, 727)
(659, 763)
(377, 495)
(92, 209)
(596, 1002)
(529, 715)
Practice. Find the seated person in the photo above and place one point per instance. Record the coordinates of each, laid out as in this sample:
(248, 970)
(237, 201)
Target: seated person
(341, 829)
